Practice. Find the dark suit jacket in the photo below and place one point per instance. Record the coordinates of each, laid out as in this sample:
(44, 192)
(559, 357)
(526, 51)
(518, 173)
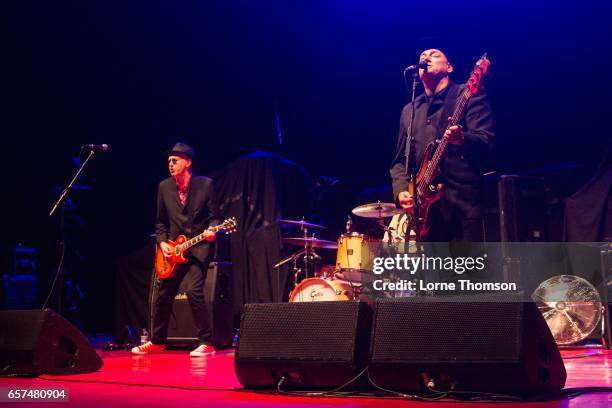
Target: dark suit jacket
(461, 168)
(200, 212)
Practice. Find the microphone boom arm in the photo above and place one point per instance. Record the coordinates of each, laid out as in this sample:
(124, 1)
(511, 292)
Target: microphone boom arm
(62, 196)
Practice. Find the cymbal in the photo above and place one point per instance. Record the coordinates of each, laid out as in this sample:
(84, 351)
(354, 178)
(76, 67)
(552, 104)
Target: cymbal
(301, 223)
(311, 242)
(377, 210)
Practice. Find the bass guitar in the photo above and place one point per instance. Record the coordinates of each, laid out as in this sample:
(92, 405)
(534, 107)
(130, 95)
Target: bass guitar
(165, 266)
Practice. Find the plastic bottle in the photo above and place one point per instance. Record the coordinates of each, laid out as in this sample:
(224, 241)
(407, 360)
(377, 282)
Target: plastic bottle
(144, 336)
(235, 340)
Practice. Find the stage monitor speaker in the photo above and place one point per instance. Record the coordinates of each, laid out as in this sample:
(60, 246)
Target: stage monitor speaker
(523, 212)
(36, 342)
(312, 345)
(479, 346)
(217, 292)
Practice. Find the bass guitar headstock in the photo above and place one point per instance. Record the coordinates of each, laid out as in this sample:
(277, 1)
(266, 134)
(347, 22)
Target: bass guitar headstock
(478, 73)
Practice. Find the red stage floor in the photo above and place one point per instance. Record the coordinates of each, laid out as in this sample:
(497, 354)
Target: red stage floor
(172, 378)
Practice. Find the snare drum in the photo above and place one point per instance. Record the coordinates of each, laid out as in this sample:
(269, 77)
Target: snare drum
(317, 290)
(355, 257)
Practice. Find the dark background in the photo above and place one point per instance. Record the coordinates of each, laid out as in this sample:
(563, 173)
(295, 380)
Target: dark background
(141, 75)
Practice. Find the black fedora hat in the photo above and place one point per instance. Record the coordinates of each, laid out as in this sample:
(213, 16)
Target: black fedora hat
(181, 149)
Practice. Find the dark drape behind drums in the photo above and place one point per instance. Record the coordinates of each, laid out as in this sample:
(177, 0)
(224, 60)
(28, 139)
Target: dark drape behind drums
(258, 189)
(588, 213)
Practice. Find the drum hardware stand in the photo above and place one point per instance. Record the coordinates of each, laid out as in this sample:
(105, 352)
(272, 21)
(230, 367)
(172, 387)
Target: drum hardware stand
(349, 224)
(352, 289)
(293, 257)
(348, 227)
(296, 272)
(391, 234)
(308, 255)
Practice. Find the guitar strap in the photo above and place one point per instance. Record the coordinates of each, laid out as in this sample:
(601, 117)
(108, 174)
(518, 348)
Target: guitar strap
(448, 108)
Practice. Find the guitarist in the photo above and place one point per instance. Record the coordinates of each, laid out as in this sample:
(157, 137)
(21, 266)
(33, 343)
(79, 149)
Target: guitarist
(185, 205)
(459, 214)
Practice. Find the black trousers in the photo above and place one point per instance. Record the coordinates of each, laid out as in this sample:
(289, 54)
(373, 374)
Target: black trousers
(194, 274)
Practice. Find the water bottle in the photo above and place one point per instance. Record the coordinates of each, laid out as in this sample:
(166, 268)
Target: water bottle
(144, 336)
(235, 340)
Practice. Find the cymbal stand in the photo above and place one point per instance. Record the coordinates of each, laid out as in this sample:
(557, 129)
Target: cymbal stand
(307, 249)
(381, 220)
(296, 272)
(310, 256)
(391, 236)
(310, 259)
(389, 231)
(293, 257)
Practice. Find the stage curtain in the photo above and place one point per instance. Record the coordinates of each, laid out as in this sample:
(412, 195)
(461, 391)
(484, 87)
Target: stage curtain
(588, 213)
(258, 189)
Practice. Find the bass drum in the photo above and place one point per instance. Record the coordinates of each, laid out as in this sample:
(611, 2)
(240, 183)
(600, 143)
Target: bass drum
(319, 290)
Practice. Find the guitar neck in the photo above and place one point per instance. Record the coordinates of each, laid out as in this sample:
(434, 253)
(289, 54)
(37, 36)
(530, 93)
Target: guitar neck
(198, 238)
(430, 172)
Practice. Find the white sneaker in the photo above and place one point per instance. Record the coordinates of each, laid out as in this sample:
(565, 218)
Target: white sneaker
(148, 348)
(202, 350)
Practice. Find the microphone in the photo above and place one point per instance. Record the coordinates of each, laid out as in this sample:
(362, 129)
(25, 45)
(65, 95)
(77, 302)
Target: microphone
(97, 147)
(422, 64)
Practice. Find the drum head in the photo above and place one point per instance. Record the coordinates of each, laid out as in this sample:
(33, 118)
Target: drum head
(321, 290)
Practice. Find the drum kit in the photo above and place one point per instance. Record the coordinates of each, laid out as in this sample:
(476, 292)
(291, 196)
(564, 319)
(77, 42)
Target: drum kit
(354, 258)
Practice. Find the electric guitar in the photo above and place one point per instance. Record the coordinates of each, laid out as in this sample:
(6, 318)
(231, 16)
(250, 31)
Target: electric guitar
(166, 266)
(428, 193)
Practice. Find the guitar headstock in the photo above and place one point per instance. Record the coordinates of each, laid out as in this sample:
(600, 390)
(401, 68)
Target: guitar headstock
(478, 73)
(229, 225)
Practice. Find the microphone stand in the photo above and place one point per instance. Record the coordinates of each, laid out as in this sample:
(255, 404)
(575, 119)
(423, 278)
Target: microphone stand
(410, 169)
(61, 201)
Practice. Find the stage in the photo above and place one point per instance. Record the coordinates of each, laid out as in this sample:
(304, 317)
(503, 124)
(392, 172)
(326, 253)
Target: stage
(172, 378)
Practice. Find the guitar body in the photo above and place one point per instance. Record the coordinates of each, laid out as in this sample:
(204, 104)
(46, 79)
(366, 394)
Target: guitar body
(429, 196)
(165, 267)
